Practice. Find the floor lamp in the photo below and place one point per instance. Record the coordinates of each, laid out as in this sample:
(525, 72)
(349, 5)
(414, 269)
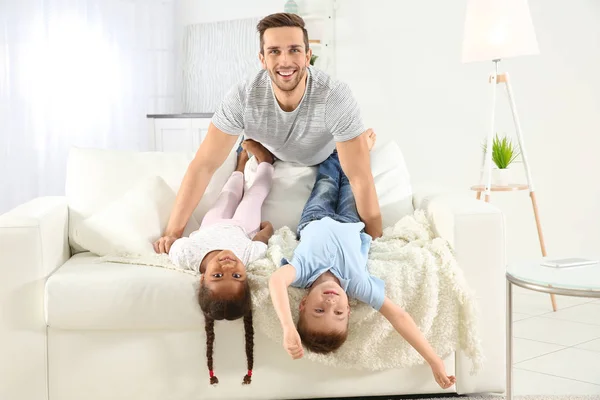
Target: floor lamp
(495, 30)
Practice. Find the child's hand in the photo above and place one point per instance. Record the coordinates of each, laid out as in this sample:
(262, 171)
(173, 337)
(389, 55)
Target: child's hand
(439, 372)
(265, 233)
(268, 225)
(292, 343)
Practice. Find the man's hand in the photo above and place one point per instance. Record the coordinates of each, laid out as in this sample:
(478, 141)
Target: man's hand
(163, 245)
(292, 342)
(374, 228)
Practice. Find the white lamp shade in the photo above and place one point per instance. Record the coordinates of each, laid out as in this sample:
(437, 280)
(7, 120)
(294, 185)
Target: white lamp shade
(498, 29)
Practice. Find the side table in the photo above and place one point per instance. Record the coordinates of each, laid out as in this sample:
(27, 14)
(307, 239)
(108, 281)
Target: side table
(513, 188)
(581, 281)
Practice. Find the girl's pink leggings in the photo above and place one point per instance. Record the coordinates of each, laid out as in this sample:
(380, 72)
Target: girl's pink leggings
(243, 211)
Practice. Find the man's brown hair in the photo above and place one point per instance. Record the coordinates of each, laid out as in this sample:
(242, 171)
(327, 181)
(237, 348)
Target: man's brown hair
(280, 20)
(320, 342)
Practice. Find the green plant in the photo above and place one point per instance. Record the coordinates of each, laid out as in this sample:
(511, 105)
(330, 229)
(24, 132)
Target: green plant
(504, 152)
(313, 58)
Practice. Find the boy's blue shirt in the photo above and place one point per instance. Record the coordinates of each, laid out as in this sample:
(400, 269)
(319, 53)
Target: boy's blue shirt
(343, 249)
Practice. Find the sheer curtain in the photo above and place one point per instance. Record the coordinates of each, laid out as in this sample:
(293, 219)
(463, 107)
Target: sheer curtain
(77, 73)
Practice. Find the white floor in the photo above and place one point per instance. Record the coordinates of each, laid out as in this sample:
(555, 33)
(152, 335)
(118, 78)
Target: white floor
(555, 352)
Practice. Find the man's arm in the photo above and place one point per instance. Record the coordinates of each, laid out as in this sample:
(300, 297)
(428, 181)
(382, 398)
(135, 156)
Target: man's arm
(265, 233)
(278, 284)
(356, 163)
(211, 154)
(343, 119)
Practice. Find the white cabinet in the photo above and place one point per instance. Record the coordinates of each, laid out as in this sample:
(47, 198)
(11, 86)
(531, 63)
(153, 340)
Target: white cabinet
(320, 17)
(177, 132)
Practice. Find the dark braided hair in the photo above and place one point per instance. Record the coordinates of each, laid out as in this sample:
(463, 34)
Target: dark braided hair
(230, 309)
(209, 326)
(249, 329)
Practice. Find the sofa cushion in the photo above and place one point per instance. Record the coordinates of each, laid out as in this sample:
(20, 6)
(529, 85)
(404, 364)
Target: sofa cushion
(98, 177)
(87, 294)
(292, 185)
(130, 224)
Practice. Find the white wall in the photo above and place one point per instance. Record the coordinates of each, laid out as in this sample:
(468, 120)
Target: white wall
(402, 60)
(198, 11)
(405, 69)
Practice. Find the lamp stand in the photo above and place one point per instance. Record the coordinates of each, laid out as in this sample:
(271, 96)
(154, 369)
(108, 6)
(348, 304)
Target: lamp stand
(495, 79)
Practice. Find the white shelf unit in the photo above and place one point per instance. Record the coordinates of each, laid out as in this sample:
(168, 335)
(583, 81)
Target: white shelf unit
(309, 17)
(182, 133)
(325, 48)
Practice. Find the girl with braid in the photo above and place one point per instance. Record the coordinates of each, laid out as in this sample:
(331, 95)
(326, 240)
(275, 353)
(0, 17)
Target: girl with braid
(231, 236)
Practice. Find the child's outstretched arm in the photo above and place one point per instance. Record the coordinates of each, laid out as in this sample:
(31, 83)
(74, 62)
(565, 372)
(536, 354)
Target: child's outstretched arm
(278, 284)
(405, 326)
(265, 233)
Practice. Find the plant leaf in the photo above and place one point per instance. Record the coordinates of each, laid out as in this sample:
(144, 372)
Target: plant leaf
(504, 152)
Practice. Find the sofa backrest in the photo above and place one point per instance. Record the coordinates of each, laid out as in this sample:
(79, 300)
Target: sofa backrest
(96, 177)
(293, 184)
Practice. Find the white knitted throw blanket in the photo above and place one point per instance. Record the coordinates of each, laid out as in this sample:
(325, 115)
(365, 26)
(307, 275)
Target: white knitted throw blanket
(420, 274)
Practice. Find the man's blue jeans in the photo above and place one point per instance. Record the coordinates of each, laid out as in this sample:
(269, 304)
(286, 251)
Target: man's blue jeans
(331, 196)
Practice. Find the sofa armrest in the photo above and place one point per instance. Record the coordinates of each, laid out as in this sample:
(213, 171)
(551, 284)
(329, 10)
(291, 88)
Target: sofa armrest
(476, 231)
(33, 243)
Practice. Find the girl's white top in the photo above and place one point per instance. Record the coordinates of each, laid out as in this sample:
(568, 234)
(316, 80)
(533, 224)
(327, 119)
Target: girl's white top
(188, 252)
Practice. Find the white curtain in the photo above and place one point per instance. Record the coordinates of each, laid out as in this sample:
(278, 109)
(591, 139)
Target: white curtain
(77, 73)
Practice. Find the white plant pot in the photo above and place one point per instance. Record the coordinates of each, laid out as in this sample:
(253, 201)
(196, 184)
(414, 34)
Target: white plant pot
(501, 177)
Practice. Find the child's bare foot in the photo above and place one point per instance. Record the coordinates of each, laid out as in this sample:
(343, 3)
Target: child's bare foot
(241, 161)
(371, 138)
(258, 150)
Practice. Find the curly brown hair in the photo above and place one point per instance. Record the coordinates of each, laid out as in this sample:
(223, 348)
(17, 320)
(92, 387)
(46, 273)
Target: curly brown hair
(320, 342)
(230, 309)
(280, 20)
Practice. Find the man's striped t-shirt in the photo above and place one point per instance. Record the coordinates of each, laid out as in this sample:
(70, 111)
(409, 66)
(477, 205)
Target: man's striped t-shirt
(328, 113)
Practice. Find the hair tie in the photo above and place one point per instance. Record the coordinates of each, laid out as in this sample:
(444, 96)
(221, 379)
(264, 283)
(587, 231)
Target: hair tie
(211, 373)
(249, 372)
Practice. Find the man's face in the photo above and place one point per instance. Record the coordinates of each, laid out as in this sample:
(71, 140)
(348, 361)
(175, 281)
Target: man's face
(224, 274)
(285, 56)
(326, 308)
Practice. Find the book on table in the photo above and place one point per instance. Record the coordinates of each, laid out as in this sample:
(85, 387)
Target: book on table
(569, 262)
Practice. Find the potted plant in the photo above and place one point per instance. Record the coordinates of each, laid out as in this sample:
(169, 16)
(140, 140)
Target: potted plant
(504, 153)
(313, 58)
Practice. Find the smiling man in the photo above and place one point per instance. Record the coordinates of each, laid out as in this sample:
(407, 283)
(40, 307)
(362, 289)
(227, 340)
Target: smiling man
(299, 113)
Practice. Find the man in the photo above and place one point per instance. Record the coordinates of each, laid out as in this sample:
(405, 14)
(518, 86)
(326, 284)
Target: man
(300, 114)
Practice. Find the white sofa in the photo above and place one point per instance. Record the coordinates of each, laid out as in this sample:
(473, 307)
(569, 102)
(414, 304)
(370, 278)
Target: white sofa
(73, 329)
